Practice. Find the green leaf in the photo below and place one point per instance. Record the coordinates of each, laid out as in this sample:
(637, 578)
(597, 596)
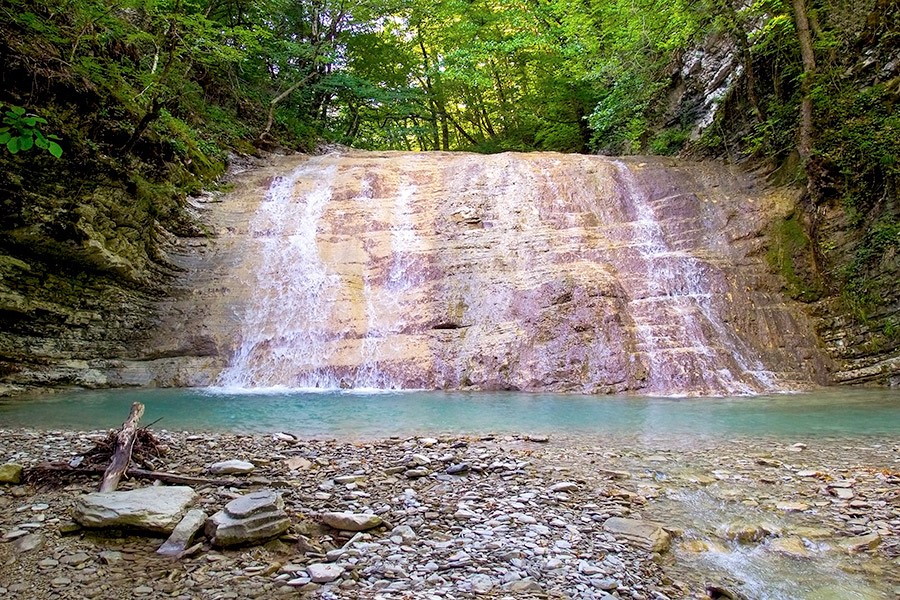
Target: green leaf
(13, 145)
(4, 137)
(55, 149)
(30, 121)
(41, 143)
(4, 129)
(18, 110)
(26, 142)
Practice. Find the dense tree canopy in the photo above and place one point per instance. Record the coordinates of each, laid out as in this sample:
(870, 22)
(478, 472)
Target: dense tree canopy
(156, 93)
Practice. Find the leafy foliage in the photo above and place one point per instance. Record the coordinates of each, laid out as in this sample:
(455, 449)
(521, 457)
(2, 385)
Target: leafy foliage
(22, 131)
(154, 95)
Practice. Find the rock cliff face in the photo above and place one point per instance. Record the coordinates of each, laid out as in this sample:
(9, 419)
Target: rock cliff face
(531, 272)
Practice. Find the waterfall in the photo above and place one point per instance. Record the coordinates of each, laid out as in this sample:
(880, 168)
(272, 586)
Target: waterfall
(679, 329)
(530, 272)
(385, 302)
(282, 341)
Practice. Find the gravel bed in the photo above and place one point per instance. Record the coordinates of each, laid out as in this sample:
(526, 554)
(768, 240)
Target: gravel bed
(464, 517)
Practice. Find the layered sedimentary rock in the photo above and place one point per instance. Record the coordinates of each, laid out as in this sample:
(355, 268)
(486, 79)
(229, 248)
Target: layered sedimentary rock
(532, 272)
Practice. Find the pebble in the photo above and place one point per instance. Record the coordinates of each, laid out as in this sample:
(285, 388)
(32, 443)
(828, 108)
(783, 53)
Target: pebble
(324, 572)
(564, 486)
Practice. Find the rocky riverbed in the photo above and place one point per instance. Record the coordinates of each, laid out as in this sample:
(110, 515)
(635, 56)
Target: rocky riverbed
(488, 516)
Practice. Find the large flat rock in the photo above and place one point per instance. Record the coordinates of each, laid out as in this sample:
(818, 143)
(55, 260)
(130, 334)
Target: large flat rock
(644, 534)
(155, 508)
(249, 519)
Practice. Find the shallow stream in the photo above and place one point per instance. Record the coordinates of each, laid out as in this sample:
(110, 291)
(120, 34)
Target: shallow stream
(704, 464)
(374, 413)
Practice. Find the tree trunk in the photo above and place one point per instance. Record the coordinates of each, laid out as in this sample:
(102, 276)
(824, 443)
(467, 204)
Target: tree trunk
(804, 144)
(122, 455)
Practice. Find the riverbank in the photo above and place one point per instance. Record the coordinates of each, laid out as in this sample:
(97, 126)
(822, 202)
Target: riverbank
(519, 517)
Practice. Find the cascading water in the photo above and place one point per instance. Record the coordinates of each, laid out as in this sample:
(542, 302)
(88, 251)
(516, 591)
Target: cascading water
(385, 303)
(282, 341)
(529, 272)
(285, 336)
(690, 346)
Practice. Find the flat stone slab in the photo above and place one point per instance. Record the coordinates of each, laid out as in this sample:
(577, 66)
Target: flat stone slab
(249, 519)
(645, 534)
(860, 543)
(253, 503)
(232, 467)
(155, 508)
(184, 533)
(346, 521)
(324, 572)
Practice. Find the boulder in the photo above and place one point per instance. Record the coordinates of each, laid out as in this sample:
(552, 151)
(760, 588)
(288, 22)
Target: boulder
(184, 533)
(645, 534)
(11, 473)
(347, 521)
(249, 519)
(155, 508)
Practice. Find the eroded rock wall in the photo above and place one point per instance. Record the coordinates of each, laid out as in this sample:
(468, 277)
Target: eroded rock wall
(532, 272)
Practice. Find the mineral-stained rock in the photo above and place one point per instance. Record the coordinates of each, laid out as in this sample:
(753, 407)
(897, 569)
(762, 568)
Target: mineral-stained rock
(792, 546)
(347, 521)
(155, 508)
(645, 534)
(184, 533)
(252, 518)
(746, 532)
(11, 473)
(559, 316)
(232, 467)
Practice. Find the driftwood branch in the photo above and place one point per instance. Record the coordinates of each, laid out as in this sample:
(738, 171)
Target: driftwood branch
(64, 470)
(124, 446)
